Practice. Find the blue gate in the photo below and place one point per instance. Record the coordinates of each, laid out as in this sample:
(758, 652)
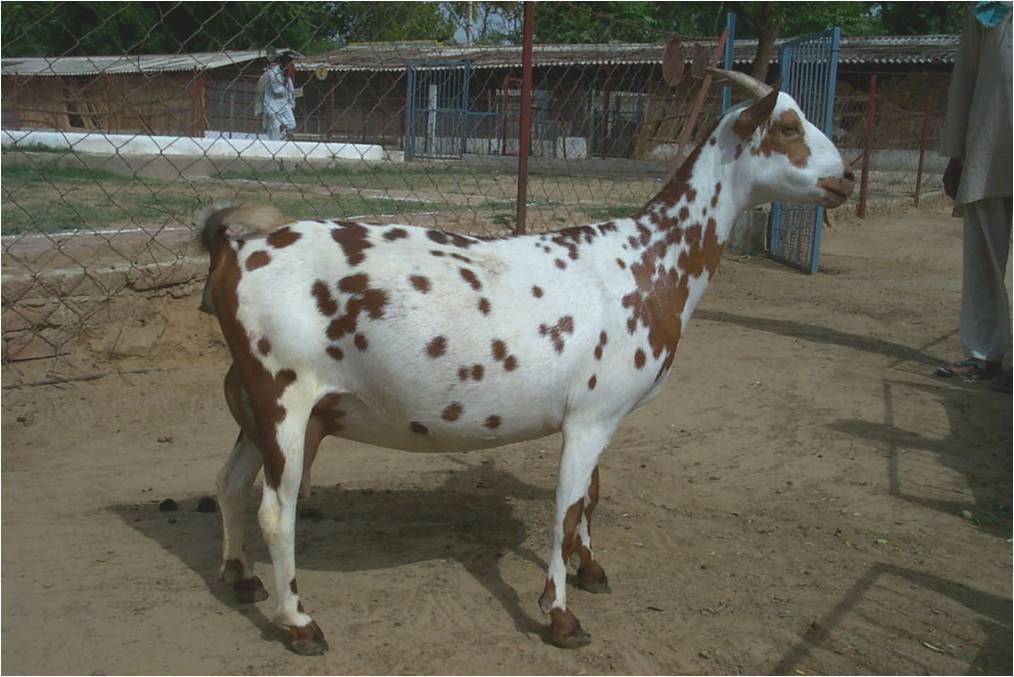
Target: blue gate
(809, 70)
(436, 122)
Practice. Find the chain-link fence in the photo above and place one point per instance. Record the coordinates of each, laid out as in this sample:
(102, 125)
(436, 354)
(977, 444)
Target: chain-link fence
(107, 155)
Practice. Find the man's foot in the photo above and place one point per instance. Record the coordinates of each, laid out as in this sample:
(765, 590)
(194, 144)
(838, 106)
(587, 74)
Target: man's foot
(970, 368)
(1001, 383)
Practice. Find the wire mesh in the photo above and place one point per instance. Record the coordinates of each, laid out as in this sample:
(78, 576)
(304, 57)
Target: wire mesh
(143, 111)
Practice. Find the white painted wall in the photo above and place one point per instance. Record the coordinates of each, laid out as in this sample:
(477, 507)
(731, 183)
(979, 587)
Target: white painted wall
(220, 147)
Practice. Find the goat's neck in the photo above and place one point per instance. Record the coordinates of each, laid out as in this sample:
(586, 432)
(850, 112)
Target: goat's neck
(676, 241)
(707, 190)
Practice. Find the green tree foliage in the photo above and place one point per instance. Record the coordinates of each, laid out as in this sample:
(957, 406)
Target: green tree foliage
(83, 28)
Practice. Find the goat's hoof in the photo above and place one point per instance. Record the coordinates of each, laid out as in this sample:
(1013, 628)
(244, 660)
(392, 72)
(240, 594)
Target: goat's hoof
(250, 590)
(307, 640)
(565, 630)
(592, 579)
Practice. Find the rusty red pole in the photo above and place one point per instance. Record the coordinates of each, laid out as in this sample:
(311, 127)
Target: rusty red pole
(525, 124)
(871, 110)
(923, 136)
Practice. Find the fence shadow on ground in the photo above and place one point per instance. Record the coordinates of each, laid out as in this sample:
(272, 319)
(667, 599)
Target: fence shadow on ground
(976, 446)
(825, 335)
(470, 519)
(992, 615)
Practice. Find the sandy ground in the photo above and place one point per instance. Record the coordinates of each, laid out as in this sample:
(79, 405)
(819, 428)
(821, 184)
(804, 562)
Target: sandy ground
(792, 504)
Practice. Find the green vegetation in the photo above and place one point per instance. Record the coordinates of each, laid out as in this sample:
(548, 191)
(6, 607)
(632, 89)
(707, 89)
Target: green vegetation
(87, 28)
(618, 211)
(47, 198)
(379, 176)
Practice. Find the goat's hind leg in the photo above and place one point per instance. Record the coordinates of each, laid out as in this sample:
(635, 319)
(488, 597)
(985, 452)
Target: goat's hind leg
(590, 574)
(234, 482)
(277, 516)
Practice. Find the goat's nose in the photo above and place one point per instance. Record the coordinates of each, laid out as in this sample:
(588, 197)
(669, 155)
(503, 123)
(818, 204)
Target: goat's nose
(848, 175)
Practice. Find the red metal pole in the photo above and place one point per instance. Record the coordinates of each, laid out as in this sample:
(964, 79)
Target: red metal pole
(525, 124)
(871, 111)
(923, 136)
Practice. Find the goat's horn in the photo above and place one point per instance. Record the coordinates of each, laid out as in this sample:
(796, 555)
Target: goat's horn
(749, 85)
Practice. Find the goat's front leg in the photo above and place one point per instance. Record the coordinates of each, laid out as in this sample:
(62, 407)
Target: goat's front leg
(590, 574)
(582, 445)
(234, 482)
(277, 516)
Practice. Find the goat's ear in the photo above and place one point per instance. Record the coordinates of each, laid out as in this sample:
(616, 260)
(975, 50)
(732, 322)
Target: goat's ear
(759, 111)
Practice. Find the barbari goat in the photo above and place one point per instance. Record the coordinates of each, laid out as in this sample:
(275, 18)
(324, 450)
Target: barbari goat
(429, 341)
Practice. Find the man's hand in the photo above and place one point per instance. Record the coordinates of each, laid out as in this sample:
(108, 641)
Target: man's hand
(952, 177)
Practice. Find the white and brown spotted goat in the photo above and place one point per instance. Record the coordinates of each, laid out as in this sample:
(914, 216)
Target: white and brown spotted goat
(430, 341)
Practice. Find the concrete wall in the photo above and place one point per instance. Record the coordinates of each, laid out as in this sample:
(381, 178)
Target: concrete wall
(136, 144)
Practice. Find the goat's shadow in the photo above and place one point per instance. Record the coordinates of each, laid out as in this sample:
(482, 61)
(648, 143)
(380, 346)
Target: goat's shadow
(470, 519)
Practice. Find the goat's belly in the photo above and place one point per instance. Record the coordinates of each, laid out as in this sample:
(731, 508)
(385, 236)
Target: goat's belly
(455, 428)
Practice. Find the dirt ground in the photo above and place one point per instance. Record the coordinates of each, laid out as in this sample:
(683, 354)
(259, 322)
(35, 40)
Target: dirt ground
(791, 504)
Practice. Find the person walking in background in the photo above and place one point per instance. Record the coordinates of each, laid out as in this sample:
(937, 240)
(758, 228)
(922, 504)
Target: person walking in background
(977, 138)
(277, 98)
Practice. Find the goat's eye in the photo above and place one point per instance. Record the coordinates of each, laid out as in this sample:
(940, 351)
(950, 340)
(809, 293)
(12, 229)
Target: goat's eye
(791, 130)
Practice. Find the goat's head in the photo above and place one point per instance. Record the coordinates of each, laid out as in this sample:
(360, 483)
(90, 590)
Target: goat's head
(785, 157)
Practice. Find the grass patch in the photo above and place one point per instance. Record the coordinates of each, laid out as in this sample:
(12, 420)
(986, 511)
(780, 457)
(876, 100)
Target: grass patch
(373, 176)
(72, 205)
(612, 212)
(36, 148)
(24, 173)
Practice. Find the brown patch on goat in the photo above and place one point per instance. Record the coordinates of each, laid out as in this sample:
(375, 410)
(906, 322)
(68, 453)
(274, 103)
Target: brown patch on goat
(452, 412)
(499, 349)
(325, 302)
(436, 347)
(363, 298)
(565, 325)
(353, 238)
(492, 422)
(249, 378)
(258, 260)
(560, 264)
(592, 382)
(511, 363)
(395, 234)
(639, 359)
(354, 284)
(264, 346)
(785, 136)
(420, 282)
(537, 292)
(470, 277)
(418, 428)
(477, 371)
(361, 342)
(336, 353)
(484, 306)
(283, 238)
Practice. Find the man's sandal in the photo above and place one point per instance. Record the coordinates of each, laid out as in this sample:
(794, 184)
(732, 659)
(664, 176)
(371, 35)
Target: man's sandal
(971, 369)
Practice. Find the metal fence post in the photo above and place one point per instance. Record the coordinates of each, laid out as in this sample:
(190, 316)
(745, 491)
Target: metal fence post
(525, 123)
(923, 136)
(727, 58)
(871, 110)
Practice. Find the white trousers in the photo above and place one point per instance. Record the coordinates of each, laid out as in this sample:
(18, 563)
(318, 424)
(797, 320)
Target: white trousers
(985, 304)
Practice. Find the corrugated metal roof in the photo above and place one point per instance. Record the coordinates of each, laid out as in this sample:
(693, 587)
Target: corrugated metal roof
(909, 49)
(916, 49)
(123, 64)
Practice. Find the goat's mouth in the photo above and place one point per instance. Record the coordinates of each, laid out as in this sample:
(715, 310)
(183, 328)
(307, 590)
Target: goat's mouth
(836, 191)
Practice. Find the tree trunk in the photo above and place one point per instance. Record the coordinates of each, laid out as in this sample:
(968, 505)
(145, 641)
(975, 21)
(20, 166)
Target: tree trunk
(765, 50)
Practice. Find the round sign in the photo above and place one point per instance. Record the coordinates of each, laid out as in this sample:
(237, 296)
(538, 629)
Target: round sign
(321, 72)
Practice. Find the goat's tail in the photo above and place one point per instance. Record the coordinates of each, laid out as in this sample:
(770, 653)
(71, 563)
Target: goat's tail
(214, 220)
(213, 223)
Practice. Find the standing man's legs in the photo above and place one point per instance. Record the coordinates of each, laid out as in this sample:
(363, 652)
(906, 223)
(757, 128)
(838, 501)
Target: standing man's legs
(985, 306)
